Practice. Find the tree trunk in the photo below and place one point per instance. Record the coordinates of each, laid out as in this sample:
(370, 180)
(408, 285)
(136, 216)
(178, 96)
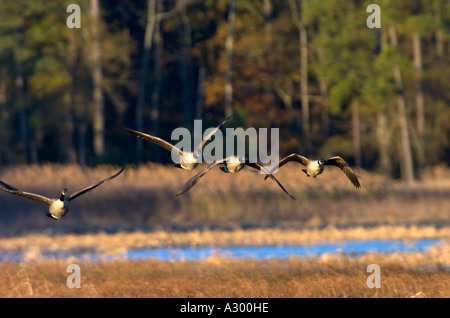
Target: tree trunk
(439, 46)
(298, 18)
(286, 97)
(148, 40)
(325, 115)
(20, 100)
(383, 137)
(406, 155)
(356, 135)
(420, 98)
(66, 139)
(200, 94)
(83, 127)
(268, 28)
(229, 52)
(155, 98)
(184, 32)
(97, 77)
(383, 132)
(304, 83)
(3, 133)
(69, 103)
(268, 54)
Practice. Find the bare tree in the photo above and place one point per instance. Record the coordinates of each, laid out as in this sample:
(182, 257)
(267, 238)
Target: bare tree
(82, 129)
(97, 78)
(154, 18)
(229, 52)
(420, 96)
(298, 18)
(383, 132)
(268, 27)
(200, 94)
(2, 115)
(20, 99)
(185, 41)
(406, 155)
(155, 97)
(148, 40)
(356, 132)
(69, 105)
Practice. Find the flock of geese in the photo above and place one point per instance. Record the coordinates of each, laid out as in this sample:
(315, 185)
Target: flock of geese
(58, 207)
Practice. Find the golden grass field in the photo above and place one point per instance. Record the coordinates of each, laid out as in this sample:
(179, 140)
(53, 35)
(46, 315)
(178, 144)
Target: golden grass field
(139, 209)
(332, 276)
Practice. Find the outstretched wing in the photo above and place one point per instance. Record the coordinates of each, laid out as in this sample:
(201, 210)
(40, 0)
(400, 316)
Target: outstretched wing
(339, 162)
(212, 132)
(155, 140)
(292, 157)
(259, 167)
(89, 188)
(192, 181)
(31, 196)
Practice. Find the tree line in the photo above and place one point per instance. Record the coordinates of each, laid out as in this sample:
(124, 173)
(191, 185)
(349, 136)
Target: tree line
(378, 97)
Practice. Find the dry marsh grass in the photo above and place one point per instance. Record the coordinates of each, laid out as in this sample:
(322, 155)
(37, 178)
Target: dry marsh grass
(144, 197)
(332, 276)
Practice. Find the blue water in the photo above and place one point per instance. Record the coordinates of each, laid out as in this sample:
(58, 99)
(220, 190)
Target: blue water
(347, 248)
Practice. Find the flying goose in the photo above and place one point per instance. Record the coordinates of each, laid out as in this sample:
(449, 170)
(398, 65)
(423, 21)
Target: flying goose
(57, 207)
(232, 164)
(315, 167)
(188, 160)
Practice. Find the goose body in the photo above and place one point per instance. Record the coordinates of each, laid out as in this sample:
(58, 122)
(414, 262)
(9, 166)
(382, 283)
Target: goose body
(314, 167)
(188, 160)
(57, 207)
(231, 164)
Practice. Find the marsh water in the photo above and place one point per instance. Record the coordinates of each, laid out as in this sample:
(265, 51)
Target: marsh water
(348, 248)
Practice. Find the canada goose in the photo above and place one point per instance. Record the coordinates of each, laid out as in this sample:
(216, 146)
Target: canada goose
(315, 167)
(57, 207)
(188, 160)
(231, 164)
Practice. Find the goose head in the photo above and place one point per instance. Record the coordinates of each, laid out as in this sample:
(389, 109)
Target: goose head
(64, 192)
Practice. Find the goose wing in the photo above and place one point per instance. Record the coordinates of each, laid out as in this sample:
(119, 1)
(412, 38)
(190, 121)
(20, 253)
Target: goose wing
(161, 142)
(212, 132)
(192, 181)
(339, 162)
(93, 186)
(28, 195)
(292, 157)
(259, 167)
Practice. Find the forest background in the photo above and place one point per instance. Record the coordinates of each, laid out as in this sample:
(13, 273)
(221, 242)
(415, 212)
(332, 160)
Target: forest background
(377, 97)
